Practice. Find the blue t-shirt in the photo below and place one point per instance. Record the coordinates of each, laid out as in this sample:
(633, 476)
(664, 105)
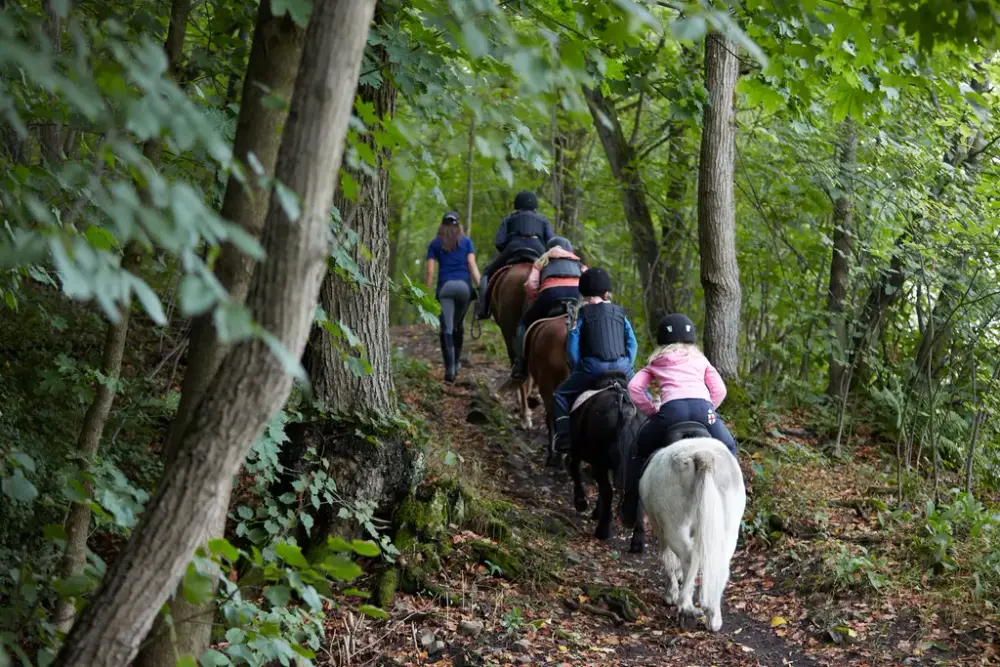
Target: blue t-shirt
(452, 265)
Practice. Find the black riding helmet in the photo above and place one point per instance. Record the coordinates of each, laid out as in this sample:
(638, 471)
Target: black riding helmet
(595, 282)
(675, 328)
(560, 241)
(450, 218)
(525, 201)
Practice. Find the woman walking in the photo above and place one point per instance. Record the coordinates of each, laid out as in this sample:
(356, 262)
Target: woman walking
(453, 255)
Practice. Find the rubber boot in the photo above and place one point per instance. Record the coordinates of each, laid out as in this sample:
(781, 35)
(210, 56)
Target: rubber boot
(519, 370)
(448, 353)
(482, 305)
(457, 339)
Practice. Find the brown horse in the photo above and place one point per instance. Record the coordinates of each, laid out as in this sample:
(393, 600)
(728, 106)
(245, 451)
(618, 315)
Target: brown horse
(545, 345)
(507, 300)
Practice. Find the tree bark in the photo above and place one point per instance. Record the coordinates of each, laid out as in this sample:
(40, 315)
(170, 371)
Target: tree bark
(50, 134)
(717, 208)
(251, 382)
(470, 162)
(657, 281)
(77, 524)
(840, 260)
(274, 60)
(363, 308)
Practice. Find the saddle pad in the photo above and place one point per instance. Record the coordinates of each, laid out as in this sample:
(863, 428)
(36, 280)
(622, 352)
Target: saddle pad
(586, 396)
(531, 329)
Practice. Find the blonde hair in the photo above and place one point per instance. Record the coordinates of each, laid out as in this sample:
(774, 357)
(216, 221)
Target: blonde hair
(684, 349)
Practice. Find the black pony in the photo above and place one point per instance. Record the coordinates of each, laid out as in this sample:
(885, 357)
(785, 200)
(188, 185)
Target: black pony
(604, 433)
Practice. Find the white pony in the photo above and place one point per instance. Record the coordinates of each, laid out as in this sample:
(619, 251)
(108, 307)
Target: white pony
(694, 496)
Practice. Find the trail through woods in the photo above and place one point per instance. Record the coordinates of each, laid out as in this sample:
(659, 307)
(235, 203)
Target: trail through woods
(566, 620)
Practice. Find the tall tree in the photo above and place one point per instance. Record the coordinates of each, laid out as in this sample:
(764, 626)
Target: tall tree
(720, 276)
(78, 517)
(274, 60)
(840, 256)
(660, 278)
(363, 308)
(252, 381)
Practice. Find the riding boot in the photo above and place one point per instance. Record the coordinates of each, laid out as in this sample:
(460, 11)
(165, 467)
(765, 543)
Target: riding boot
(448, 352)
(562, 444)
(519, 370)
(457, 338)
(483, 305)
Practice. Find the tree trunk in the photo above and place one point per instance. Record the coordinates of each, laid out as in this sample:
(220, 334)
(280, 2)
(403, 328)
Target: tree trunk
(717, 208)
(274, 60)
(470, 162)
(840, 260)
(675, 256)
(363, 308)
(78, 518)
(658, 286)
(50, 135)
(77, 523)
(251, 384)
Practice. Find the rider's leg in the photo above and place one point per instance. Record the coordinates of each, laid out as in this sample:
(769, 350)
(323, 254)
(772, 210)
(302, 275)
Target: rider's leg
(447, 332)
(717, 427)
(650, 438)
(462, 298)
(562, 400)
(483, 305)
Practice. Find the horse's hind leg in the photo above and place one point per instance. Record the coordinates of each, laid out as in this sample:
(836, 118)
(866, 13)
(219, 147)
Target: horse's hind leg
(690, 565)
(523, 405)
(606, 492)
(579, 495)
(638, 543)
(673, 568)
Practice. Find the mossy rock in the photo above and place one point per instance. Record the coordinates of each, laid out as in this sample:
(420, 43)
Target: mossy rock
(510, 563)
(385, 591)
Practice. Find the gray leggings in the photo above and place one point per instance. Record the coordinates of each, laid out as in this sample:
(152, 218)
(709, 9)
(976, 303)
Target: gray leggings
(454, 297)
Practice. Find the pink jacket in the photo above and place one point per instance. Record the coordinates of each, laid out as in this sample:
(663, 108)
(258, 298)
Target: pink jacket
(531, 284)
(680, 374)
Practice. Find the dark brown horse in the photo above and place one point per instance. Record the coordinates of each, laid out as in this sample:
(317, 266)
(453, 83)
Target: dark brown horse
(507, 299)
(545, 345)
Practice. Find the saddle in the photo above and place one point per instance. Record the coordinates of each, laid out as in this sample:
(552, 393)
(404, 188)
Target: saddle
(554, 314)
(613, 379)
(683, 431)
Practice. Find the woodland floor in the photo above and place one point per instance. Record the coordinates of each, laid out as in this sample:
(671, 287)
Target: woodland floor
(767, 618)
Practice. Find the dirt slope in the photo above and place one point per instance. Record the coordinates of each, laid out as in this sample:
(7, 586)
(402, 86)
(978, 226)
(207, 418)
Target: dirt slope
(561, 620)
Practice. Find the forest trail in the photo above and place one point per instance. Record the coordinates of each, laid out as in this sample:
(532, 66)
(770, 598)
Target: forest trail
(765, 622)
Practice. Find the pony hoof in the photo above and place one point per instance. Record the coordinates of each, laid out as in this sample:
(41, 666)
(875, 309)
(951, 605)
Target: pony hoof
(553, 461)
(603, 533)
(580, 504)
(714, 623)
(636, 547)
(688, 619)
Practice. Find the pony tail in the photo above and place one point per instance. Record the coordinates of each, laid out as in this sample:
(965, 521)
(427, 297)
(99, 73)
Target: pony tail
(710, 533)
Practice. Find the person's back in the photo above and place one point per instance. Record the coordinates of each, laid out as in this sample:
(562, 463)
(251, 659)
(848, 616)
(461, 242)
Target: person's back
(689, 390)
(454, 256)
(524, 229)
(602, 341)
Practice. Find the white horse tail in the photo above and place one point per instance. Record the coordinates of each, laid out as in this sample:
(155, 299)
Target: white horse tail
(710, 531)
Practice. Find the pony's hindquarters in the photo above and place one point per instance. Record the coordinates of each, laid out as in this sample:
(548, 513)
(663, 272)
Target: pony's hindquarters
(694, 495)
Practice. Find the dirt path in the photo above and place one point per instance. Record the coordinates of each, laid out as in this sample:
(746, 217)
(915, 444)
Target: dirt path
(765, 623)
